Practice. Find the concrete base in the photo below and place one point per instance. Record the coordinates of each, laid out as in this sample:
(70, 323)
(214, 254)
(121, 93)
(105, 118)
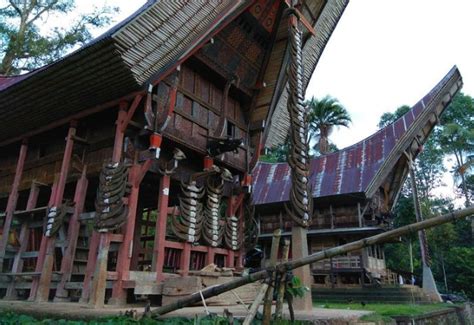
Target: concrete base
(429, 285)
(299, 249)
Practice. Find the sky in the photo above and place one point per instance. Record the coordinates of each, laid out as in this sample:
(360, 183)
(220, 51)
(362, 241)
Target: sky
(382, 55)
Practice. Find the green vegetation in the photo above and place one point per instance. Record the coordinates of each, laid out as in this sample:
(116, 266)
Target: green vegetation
(24, 46)
(10, 318)
(385, 312)
(451, 245)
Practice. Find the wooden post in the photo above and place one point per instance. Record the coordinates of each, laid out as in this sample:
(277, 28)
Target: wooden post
(12, 201)
(267, 308)
(185, 259)
(97, 290)
(160, 231)
(240, 258)
(299, 249)
(256, 303)
(24, 235)
(119, 294)
(90, 267)
(230, 212)
(210, 255)
(99, 281)
(282, 284)
(72, 235)
(45, 259)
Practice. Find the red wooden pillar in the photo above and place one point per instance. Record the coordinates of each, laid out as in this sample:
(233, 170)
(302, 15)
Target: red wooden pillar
(24, 235)
(119, 294)
(185, 259)
(208, 163)
(96, 291)
(240, 259)
(230, 212)
(160, 231)
(45, 259)
(90, 267)
(72, 235)
(12, 201)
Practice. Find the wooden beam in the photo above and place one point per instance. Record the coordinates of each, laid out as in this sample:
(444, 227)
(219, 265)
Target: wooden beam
(24, 236)
(72, 236)
(267, 307)
(119, 293)
(160, 230)
(12, 201)
(45, 261)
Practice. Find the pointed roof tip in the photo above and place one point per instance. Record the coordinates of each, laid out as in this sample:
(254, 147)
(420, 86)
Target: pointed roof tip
(361, 167)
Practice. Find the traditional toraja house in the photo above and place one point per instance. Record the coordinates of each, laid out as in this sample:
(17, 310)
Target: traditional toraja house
(354, 190)
(130, 160)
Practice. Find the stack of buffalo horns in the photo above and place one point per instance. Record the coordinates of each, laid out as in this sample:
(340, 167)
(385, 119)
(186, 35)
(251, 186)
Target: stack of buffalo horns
(213, 231)
(54, 220)
(188, 225)
(301, 203)
(111, 211)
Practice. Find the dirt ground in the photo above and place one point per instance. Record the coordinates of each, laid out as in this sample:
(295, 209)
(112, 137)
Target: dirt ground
(84, 312)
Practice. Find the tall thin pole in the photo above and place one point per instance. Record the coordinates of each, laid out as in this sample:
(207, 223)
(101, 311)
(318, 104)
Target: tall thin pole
(429, 284)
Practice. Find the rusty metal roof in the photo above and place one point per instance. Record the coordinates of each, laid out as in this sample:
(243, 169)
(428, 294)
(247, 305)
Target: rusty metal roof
(361, 167)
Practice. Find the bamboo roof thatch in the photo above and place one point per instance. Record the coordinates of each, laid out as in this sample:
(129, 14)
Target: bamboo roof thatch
(144, 48)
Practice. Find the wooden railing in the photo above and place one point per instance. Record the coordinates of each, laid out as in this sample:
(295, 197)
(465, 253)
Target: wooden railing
(335, 263)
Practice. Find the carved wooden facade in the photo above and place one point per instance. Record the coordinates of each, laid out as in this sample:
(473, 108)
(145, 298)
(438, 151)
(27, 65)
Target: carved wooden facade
(104, 153)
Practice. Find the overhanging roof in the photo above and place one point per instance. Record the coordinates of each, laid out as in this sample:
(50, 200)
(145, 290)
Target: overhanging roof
(362, 167)
(115, 64)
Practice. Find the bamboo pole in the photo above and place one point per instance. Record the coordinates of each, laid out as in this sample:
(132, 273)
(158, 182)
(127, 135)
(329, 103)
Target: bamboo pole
(284, 267)
(281, 285)
(256, 303)
(267, 307)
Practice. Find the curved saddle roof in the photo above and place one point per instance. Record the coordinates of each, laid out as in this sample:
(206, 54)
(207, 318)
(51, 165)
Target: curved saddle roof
(362, 167)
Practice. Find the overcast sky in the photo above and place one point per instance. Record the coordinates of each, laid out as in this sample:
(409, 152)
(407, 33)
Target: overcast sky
(384, 54)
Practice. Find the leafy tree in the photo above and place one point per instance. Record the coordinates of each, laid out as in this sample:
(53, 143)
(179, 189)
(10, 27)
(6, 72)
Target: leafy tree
(276, 154)
(24, 47)
(324, 115)
(388, 118)
(457, 137)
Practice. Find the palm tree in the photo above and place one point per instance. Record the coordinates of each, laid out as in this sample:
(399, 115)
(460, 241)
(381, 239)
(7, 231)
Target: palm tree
(323, 116)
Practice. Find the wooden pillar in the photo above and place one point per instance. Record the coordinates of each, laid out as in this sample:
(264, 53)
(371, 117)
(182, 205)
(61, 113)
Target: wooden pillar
(185, 259)
(24, 235)
(299, 249)
(12, 201)
(90, 267)
(240, 258)
(230, 212)
(267, 307)
(72, 235)
(99, 282)
(119, 294)
(210, 255)
(160, 231)
(45, 259)
(97, 289)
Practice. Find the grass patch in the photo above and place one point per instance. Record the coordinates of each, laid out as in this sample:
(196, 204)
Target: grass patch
(11, 318)
(385, 312)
